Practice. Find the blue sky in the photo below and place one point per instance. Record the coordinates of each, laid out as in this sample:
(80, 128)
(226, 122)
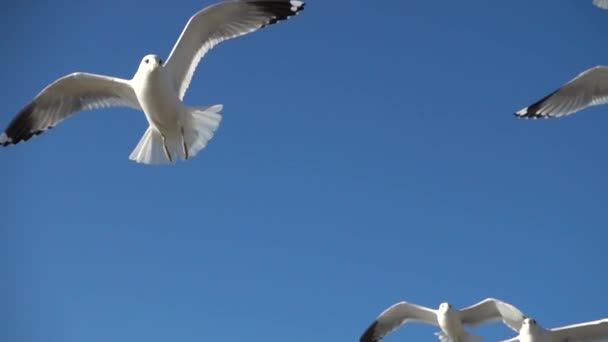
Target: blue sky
(368, 154)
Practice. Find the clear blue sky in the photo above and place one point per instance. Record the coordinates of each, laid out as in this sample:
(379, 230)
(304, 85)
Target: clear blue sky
(368, 154)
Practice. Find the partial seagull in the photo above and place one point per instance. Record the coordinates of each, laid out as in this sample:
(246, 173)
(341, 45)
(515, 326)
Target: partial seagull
(450, 320)
(590, 88)
(594, 331)
(157, 89)
(601, 3)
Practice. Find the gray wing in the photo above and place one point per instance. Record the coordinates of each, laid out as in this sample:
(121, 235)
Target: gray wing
(491, 309)
(594, 331)
(217, 23)
(67, 95)
(601, 3)
(590, 88)
(393, 317)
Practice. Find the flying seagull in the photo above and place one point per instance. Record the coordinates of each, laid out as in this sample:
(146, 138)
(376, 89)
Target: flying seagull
(450, 320)
(590, 88)
(601, 3)
(594, 331)
(157, 89)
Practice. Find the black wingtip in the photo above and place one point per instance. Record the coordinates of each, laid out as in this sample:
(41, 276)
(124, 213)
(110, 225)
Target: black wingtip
(527, 113)
(280, 10)
(22, 128)
(522, 114)
(532, 111)
(370, 334)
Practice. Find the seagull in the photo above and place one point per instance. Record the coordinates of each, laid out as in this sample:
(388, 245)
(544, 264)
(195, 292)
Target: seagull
(450, 320)
(175, 130)
(594, 331)
(601, 3)
(589, 88)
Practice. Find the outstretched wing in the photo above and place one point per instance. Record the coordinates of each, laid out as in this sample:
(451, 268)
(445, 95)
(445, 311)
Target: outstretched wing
(393, 317)
(491, 309)
(64, 97)
(594, 331)
(589, 88)
(217, 23)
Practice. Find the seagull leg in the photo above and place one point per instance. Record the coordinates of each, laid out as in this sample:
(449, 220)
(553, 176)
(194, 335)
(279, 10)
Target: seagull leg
(167, 154)
(184, 144)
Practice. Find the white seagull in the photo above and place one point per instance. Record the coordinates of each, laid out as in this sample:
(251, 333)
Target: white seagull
(157, 89)
(590, 88)
(601, 3)
(588, 332)
(450, 320)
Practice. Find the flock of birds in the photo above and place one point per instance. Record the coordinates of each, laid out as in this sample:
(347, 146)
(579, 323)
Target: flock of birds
(177, 131)
(452, 323)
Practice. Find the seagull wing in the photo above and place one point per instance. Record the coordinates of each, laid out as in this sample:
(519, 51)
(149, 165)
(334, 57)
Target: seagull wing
(590, 331)
(590, 88)
(391, 318)
(491, 309)
(601, 3)
(67, 95)
(514, 339)
(217, 23)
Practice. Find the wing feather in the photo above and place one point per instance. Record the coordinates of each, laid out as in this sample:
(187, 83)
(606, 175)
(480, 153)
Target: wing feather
(590, 88)
(64, 97)
(583, 332)
(217, 23)
(396, 315)
(491, 309)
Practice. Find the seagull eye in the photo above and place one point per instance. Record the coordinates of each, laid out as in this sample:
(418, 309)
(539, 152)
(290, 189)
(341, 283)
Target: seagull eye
(147, 60)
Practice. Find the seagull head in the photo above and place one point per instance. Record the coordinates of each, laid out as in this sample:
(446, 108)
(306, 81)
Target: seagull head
(150, 63)
(445, 307)
(529, 324)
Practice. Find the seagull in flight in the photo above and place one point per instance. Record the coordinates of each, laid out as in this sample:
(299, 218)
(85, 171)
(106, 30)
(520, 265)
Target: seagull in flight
(589, 88)
(450, 320)
(531, 331)
(175, 130)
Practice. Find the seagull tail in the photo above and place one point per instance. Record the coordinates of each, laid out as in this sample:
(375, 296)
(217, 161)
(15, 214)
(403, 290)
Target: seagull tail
(200, 125)
(150, 149)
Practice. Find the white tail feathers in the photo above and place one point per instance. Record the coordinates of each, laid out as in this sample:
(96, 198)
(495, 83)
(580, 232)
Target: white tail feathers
(443, 337)
(149, 150)
(199, 125)
(203, 123)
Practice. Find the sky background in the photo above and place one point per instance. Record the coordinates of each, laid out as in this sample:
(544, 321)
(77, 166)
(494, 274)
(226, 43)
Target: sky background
(368, 154)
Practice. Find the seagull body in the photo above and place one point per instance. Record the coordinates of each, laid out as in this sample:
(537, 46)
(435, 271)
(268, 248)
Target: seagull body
(167, 115)
(589, 88)
(159, 100)
(175, 130)
(451, 326)
(531, 331)
(450, 320)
